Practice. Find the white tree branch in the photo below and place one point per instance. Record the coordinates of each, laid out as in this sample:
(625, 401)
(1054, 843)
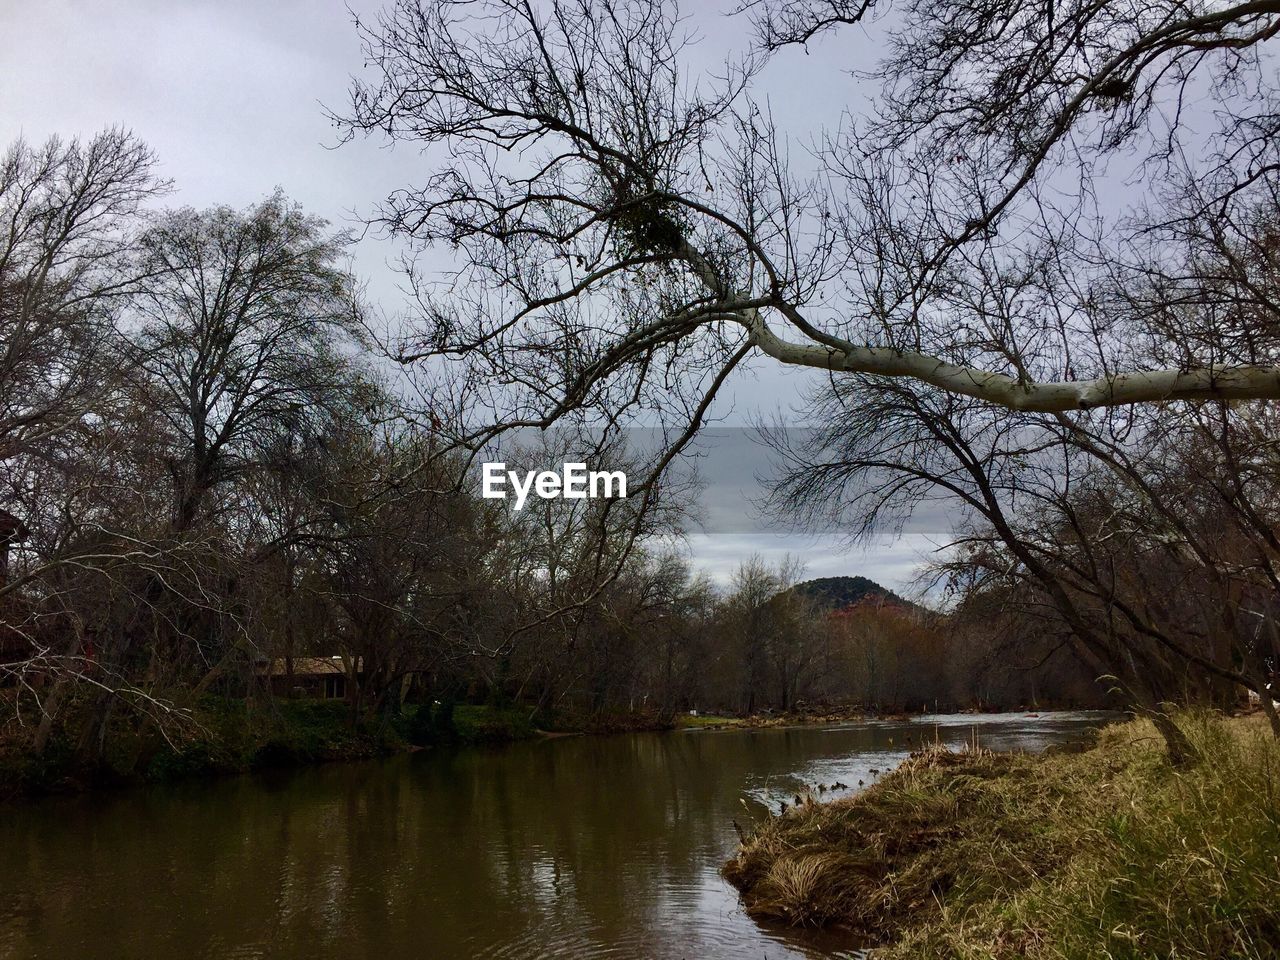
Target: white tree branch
(1201, 383)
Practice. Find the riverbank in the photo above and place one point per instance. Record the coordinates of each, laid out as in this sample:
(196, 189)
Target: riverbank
(215, 738)
(1104, 852)
(797, 718)
(221, 738)
(711, 721)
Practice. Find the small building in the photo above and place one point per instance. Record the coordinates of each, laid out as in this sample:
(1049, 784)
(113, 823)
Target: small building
(12, 530)
(315, 678)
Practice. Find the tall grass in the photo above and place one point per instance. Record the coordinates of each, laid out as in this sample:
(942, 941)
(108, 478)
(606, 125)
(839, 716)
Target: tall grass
(1109, 853)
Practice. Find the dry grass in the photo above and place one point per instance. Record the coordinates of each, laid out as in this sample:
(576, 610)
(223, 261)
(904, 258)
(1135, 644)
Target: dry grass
(1105, 853)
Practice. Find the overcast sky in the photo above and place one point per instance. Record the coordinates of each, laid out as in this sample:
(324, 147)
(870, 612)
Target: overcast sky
(231, 95)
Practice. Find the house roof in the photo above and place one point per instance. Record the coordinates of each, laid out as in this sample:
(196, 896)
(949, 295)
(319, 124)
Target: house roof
(303, 667)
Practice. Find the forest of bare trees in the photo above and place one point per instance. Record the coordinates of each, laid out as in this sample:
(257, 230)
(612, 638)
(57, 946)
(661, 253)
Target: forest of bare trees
(210, 485)
(1040, 282)
(208, 481)
(221, 465)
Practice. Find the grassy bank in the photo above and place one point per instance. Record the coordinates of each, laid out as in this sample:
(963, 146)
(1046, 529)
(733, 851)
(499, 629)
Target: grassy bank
(1103, 853)
(223, 737)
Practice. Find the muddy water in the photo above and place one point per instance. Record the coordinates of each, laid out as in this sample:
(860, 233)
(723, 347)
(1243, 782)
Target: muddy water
(579, 847)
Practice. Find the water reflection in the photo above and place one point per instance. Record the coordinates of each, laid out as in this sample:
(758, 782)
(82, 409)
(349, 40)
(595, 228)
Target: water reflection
(605, 847)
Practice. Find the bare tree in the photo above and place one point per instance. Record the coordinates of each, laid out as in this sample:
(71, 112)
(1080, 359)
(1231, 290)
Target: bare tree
(619, 227)
(214, 339)
(772, 633)
(244, 331)
(68, 216)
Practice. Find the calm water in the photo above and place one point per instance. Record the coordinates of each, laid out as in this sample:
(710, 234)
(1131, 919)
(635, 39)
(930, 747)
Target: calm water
(579, 847)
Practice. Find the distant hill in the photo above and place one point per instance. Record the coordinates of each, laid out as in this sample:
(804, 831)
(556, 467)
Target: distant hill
(844, 593)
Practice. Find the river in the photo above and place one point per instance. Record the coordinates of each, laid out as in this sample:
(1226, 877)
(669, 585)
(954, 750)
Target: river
(573, 847)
